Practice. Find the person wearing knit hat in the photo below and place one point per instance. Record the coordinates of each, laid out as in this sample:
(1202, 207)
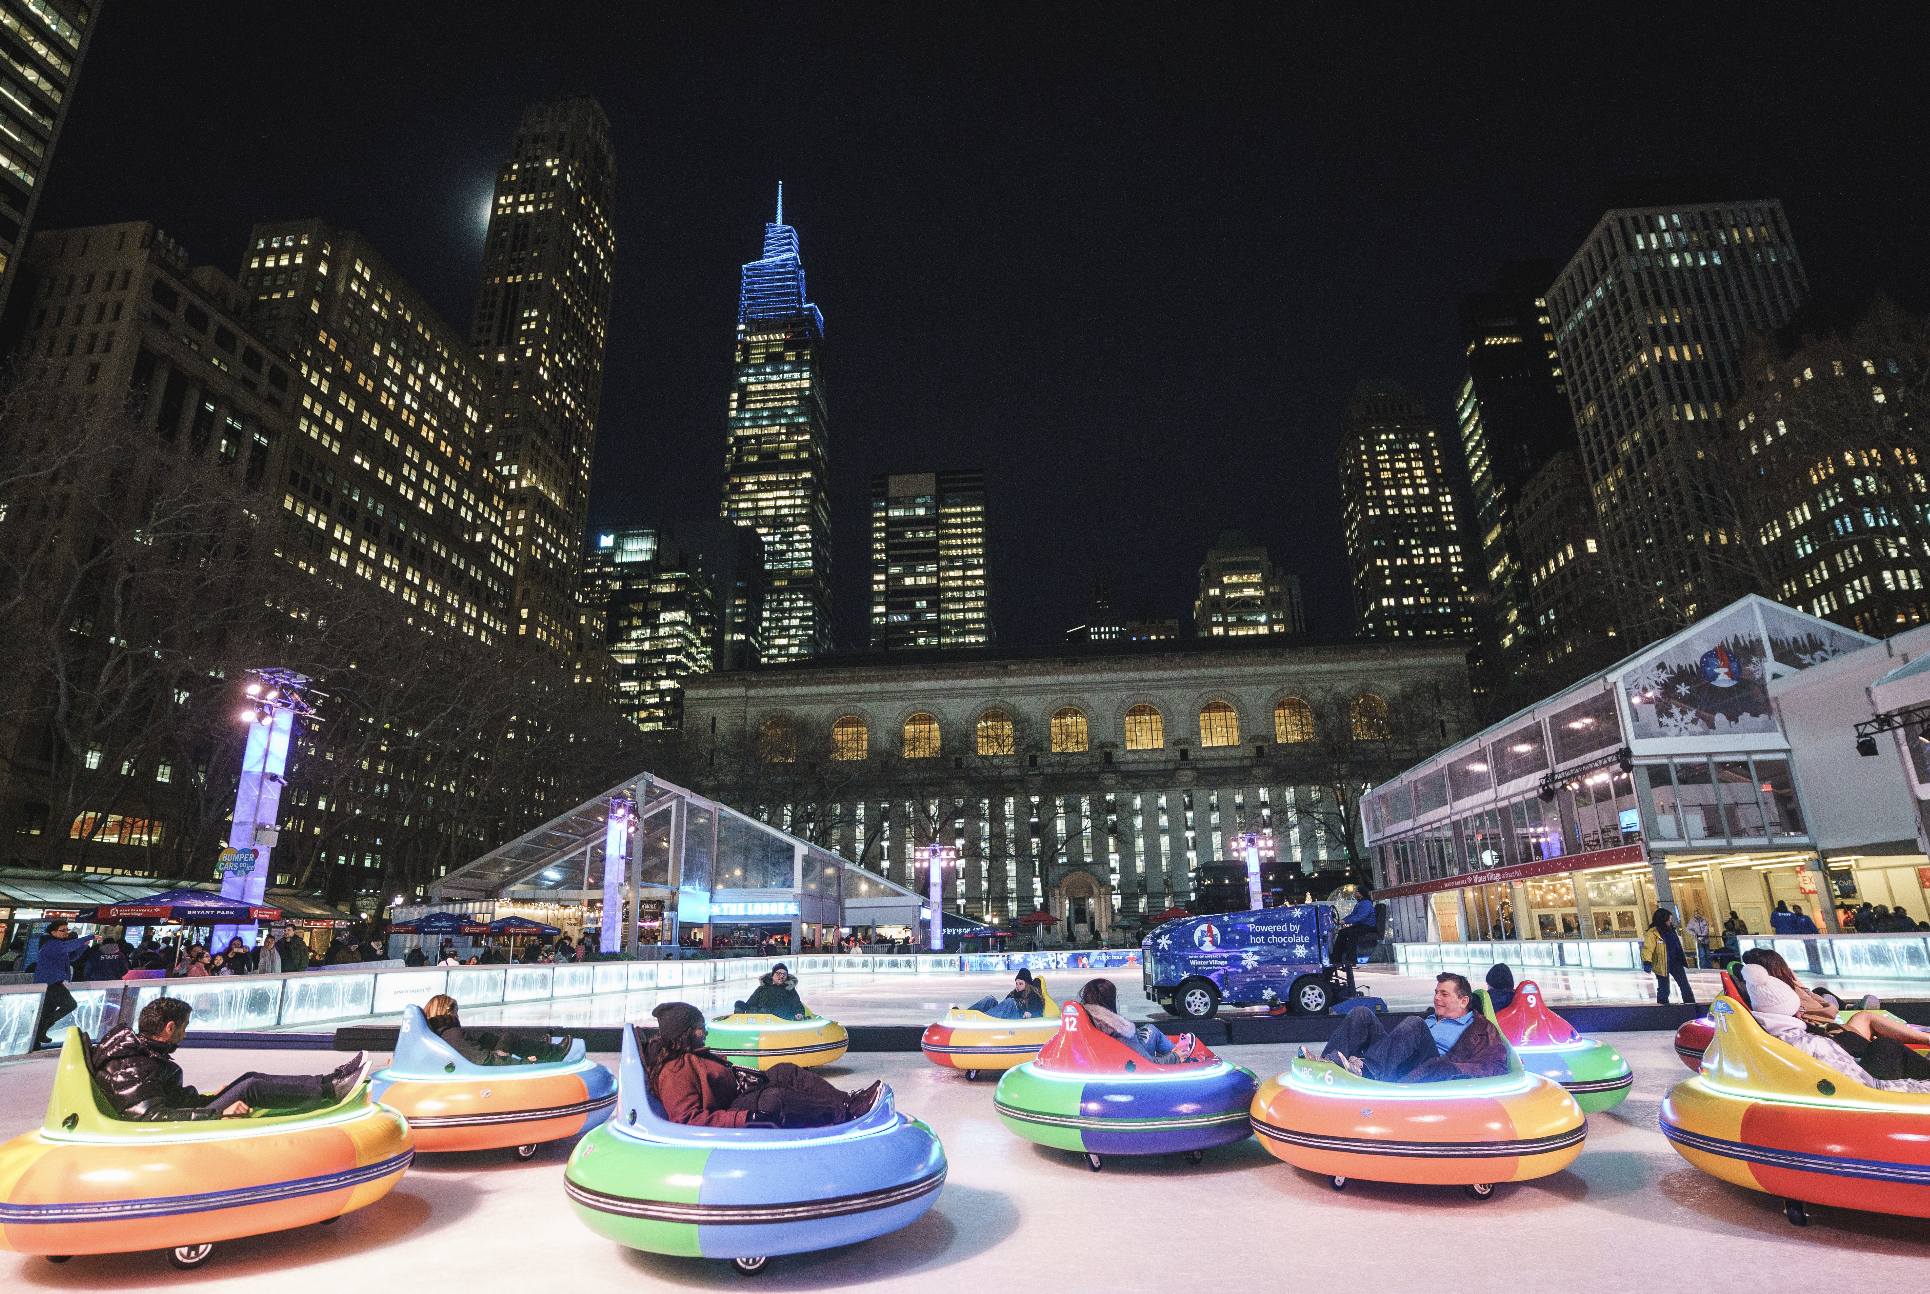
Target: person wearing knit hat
(696, 1085)
(1501, 986)
(1024, 1002)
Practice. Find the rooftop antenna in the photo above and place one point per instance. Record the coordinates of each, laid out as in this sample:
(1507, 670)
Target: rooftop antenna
(780, 202)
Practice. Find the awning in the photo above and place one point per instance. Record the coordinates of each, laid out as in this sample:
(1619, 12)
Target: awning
(180, 905)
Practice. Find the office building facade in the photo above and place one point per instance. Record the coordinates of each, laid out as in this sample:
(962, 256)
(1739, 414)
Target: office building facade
(45, 42)
(659, 612)
(1570, 597)
(1512, 416)
(777, 455)
(1402, 527)
(542, 315)
(1242, 593)
(929, 586)
(1650, 317)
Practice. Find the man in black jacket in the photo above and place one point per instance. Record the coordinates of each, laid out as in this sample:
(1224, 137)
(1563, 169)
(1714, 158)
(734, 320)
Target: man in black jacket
(137, 1073)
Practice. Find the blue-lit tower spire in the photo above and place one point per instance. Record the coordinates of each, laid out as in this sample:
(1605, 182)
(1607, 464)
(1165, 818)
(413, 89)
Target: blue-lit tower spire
(777, 460)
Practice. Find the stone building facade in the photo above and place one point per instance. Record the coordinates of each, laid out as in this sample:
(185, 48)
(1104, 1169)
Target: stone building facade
(1094, 785)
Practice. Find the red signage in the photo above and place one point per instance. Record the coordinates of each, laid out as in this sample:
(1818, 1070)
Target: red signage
(1620, 855)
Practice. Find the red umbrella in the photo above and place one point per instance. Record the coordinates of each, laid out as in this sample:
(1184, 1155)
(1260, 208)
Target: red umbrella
(1039, 918)
(1171, 914)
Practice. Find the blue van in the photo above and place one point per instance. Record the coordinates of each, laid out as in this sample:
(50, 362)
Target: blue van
(1259, 957)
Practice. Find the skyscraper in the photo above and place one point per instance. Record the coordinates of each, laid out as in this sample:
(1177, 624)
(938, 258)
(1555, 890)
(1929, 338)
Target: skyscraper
(1403, 534)
(542, 312)
(45, 42)
(928, 581)
(1513, 416)
(1650, 318)
(777, 459)
(1243, 593)
(661, 618)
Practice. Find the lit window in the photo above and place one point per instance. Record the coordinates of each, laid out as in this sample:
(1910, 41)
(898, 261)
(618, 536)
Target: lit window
(921, 736)
(1292, 721)
(777, 742)
(850, 739)
(1370, 718)
(995, 733)
(1144, 730)
(1068, 731)
(1219, 725)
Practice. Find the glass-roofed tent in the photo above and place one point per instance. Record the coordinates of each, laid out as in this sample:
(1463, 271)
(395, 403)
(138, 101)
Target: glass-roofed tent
(690, 861)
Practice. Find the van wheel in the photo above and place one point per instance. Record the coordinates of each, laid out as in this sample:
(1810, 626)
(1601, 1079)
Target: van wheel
(1196, 999)
(1311, 995)
(188, 1257)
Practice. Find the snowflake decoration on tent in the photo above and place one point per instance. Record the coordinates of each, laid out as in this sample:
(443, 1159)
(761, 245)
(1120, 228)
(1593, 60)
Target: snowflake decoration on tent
(1682, 722)
(1647, 678)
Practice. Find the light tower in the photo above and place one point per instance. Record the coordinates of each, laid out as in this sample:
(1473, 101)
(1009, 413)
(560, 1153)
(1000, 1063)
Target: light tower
(1257, 847)
(276, 699)
(938, 858)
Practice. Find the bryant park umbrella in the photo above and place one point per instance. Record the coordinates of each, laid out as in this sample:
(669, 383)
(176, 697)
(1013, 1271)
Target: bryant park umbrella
(440, 923)
(1039, 918)
(521, 926)
(190, 907)
(1170, 914)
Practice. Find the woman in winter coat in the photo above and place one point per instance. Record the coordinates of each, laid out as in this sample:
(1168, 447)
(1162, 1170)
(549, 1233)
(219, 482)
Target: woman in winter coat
(1100, 997)
(696, 1086)
(491, 1046)
(1024, 1002)
(1662, 956)
(1879, 1043)
(776, 995)
(268, 957)
(1778, 1010)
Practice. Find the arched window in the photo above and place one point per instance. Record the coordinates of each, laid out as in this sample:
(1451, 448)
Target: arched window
(995, 733)
(921, 736)
(777, 742)
(1292, 721)
(1068, 731)
(850, 739)
(1219, 726)
(1144, 731)
(1370, 718)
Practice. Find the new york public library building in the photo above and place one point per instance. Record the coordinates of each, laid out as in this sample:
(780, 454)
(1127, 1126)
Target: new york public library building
(1095, 783)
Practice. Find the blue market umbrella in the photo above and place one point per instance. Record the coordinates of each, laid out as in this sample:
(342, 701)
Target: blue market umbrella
(521, 926)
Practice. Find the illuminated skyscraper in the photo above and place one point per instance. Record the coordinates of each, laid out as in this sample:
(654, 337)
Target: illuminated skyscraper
(45, 41)
(1242, 592)
(1403, 534)
(777, 461)
(1650, 318)
(928, 581)
(541, 315)
(661, 615)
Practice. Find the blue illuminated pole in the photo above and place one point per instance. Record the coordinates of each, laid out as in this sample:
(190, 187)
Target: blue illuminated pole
(274, 702)
(937, 857)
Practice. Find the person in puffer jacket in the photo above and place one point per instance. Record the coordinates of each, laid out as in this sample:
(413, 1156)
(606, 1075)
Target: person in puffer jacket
(1100, 997)
(137, 1073)
(776, 995)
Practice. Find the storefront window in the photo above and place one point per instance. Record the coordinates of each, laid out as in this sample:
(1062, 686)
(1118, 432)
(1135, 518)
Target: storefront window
(1741, 811)
(1447, 915)
(1490, 911)
(1615, 901)
(1779, 797)
(1668, 824)
(1696, 800)
(1551, 904)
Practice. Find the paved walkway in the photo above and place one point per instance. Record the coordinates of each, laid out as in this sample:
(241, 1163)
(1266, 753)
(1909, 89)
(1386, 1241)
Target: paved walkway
(1017, 1218)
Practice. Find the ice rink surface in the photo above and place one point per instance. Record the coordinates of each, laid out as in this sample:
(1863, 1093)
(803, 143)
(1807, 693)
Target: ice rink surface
(1013, 1218)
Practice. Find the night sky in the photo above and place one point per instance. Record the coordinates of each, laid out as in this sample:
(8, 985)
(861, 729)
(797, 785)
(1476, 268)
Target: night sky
(1130, 262)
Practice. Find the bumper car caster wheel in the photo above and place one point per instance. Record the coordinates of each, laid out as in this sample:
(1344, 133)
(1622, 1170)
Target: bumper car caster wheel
(971, 1076)
(1338, 1183)
(750, 1266)
(1480, 1191)
(329, 1222)
(1195, 1156)
(1796, 1212)
(59, 1258)
(188, 1257)
(526, 1152)
(1094, 1162)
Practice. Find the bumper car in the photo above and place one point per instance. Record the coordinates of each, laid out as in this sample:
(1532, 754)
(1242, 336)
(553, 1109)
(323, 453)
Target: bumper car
(92, 1182)
(747, 1194)
(1466, 1132)
(1090, 1093)
(979, 1043)
(1594, 1073)
(452, 1103)
(761, 1041)
(1692, 1039)
(1770, 1118)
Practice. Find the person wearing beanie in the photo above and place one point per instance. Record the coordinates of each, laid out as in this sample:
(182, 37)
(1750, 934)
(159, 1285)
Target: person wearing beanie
(1501, 986)
(776, 995)
(1024, 1002)
(695, 1085)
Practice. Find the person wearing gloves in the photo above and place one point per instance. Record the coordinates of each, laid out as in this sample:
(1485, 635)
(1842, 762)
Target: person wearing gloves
(776, 994)
(1024, 1002)
(1778, 1009)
